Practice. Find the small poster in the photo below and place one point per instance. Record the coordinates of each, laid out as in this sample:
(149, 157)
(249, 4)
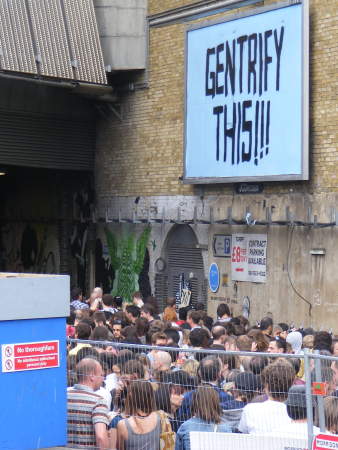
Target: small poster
(185, 298)
(248, 257)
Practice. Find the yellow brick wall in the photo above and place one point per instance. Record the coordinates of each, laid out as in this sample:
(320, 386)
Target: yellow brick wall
(143, 154)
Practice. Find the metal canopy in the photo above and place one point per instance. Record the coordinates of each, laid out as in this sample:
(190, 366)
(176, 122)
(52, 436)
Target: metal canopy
(51, 39)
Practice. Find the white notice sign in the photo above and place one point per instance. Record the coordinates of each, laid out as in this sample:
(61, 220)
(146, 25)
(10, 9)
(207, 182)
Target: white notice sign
(248, 257)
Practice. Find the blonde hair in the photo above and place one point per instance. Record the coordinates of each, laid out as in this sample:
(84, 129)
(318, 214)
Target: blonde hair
(190, 366)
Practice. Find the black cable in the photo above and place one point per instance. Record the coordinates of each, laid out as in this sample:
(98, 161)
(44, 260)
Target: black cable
(289, 276)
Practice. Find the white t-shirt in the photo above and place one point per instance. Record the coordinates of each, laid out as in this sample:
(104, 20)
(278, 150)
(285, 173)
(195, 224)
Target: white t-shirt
(294, 429)
(263, 417)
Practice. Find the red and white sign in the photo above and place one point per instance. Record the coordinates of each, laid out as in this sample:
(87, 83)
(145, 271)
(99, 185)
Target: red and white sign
(325, 441)
(248, 257)
(30, 356)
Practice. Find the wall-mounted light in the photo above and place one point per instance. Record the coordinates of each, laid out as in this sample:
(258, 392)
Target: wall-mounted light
(318, 251)
(2, 173)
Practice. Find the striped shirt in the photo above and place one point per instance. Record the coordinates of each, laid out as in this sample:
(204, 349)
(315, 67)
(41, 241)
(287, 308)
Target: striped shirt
(85, 409)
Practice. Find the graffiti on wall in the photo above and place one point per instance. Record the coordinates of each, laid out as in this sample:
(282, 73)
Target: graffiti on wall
(127, 257)
(27, 247)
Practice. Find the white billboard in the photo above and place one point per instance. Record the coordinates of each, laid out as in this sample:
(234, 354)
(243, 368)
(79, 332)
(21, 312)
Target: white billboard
(246, 104)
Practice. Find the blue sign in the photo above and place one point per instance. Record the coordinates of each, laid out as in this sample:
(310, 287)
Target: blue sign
(214, 277)
(245, 92)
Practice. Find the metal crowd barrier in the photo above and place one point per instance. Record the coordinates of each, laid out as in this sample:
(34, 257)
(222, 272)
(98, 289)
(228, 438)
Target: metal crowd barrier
(175, 375)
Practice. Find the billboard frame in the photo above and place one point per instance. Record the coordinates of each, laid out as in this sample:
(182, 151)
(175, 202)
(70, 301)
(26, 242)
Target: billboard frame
(304, 175)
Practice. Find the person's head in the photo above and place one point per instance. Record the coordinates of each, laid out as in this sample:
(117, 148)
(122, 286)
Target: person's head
(142, 326)
(173, 336)
(277, 379)
(295, 339)
(99, 318)
(161, 361)
(171, 302)
(140, 398)
(258, 363)
(322, 341)
(210, 369)
(277, 345)
(247, 385)
(308, 341)
(76, 293)
(261, 340)
(159, 339)
(230, 344)
(199, 337)
(266, 325)
(118, 301)
(137, 299)
(183, 313)
(285, 329)
(107, 300)
(205, 405)
(132, 370)
(190, 366)
(223, 311)
(83, 331)
(148, 311)
(334, 347)
(218, 334)
(97, 292)
(244, 343)
(117, 328)
(132, 313)
(100, 333)
(193, 318)
(331, 414)
(170, 315)
(89, 373)
(296, 403)
(87, 352)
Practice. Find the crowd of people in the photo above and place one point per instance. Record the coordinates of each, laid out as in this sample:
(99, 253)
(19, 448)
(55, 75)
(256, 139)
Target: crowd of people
(139, 378)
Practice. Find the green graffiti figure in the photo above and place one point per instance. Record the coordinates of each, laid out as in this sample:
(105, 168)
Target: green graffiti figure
(127, 258)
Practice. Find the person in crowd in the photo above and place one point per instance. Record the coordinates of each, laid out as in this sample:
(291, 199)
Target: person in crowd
(266, 326)
(118, 302)
(206, 415)
(322, 341)
(277, 345)
(82, 332)
(182, 318)
(160, 365)
(209, 372)
(331, 414)
(295, 339)
(285, 329)
(308, 341)
(148, 312)
(142, 328)
(107, 306)
(193, 319)
(170, 310)
(138, 299)
(263, 417)
(116, 328)
(223, 313)
(132, 313)
(246, 386)
(334, 347)
(218, 337)
(87, 412)
(77, 302)
(142, 427)
(199, 339)
(260, 340)
(297, 412)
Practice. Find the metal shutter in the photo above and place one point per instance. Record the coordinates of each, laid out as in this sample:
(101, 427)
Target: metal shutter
(46, 141)
(161, 289)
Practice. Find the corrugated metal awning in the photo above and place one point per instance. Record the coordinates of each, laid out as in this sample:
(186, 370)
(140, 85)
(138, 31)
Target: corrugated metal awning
(51, 39)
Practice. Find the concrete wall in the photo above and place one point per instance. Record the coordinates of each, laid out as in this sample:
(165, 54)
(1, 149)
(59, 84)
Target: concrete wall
(142, 156)
(123, 33)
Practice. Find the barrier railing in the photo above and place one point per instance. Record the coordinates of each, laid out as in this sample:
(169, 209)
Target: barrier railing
(277, 396)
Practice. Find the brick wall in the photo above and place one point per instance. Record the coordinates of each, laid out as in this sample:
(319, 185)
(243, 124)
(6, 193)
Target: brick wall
(143, 154)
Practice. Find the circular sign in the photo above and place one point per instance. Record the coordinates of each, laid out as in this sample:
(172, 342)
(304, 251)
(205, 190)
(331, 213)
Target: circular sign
(214, 277)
